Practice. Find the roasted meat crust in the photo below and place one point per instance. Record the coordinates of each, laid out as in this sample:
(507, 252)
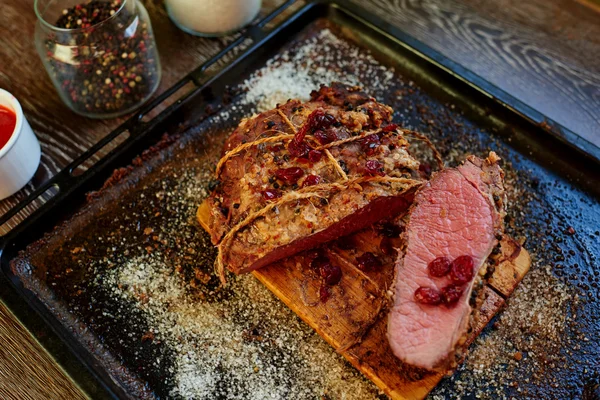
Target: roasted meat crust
(350, 155)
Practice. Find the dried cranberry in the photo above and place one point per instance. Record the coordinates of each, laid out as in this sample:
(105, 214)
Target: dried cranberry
(311, 180)
(314, 155)
(374, 167)
(299, 136)
(324, 293)
(390, 128)
(289, 175)
(439, 267)
(370, 143)
(461, 269)
(346, 243)
(271, 194)
(427, 295)
(321, 137)
(298, 149)
(425, 170)
(331, 274)
(343, 166)
(325, 137)
(316, 120)
(389, 229)
(321, 120)
(451, 294)
(387, 247)
(368, 262)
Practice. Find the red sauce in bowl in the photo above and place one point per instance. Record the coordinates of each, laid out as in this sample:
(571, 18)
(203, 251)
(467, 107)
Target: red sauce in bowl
(8, 121)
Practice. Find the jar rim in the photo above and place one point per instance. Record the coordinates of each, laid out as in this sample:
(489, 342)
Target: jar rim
(40, 18)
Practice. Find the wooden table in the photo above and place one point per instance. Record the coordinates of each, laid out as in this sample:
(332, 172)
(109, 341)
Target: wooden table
(544, 52)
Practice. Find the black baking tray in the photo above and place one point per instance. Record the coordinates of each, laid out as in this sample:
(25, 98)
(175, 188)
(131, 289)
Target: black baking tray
(556, 165)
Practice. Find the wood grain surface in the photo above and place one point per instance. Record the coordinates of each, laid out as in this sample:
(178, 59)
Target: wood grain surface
(546, 53)
(546, 56)
(26, 370)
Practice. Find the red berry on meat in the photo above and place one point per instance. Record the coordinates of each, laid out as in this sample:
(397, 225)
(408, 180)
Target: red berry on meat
(321, 120)
(451, 294)
(321, 137)
(311, 180)
(439, 267)
(317, 120)
(461, 270)
(370, 143)
(427, 295)
(390, 128)
(374, 167)
(331, 274)
(271, 194)
(325, 137)
(368, 262)
(298, 149)
(314, 155)
(289, 175)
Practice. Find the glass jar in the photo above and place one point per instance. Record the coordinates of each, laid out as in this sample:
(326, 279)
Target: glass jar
(100, 54)
(212, 17)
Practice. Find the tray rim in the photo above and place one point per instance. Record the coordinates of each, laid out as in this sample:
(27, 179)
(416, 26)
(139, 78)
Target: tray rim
(67, 183)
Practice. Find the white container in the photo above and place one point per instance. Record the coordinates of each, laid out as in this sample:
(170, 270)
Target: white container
(20, 157)
(212, 17)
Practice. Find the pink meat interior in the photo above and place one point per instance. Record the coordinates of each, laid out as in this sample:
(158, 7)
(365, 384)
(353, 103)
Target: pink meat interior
(451, 218)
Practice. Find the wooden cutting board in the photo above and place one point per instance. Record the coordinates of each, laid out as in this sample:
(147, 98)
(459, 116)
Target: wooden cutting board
(353, 320)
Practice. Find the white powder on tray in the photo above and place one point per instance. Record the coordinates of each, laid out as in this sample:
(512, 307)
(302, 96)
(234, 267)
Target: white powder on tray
(295, 74)
(209, 342)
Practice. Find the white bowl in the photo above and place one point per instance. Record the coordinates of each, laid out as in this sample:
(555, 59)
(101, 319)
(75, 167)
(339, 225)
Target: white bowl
(20, 157)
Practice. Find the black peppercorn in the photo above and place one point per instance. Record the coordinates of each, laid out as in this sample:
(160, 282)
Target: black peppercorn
(343, 166)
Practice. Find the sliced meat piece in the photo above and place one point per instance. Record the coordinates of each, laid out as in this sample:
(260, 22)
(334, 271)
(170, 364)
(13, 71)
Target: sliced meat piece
(306, 173)
(286, 232)
(458, 213)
